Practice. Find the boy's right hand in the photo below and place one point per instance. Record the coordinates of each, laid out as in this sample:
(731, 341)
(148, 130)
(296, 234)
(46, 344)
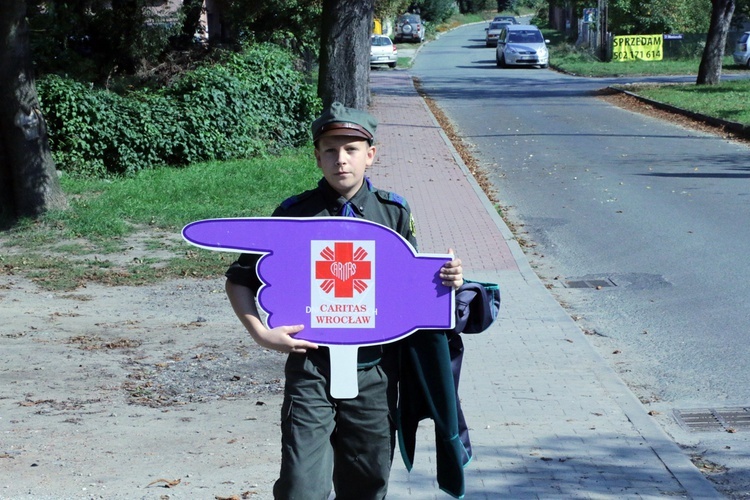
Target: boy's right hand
(282, 339)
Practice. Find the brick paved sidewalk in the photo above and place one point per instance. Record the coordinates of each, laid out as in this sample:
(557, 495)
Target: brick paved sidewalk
(548, 417)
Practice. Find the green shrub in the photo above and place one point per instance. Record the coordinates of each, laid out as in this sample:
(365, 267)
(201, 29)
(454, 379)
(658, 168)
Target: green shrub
(249, 103)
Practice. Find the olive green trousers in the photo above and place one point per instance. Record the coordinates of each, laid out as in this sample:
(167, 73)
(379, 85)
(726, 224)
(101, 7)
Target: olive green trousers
(344, 444)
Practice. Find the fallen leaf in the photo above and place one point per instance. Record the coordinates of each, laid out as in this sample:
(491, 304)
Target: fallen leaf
(168, 483)
(37, 402)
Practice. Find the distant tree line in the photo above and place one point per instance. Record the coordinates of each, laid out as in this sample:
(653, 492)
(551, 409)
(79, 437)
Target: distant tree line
(123, 46)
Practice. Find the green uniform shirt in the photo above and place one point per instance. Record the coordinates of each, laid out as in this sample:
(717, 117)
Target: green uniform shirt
(383, 207)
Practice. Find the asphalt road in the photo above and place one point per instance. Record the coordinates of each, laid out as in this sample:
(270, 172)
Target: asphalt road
(655, 213)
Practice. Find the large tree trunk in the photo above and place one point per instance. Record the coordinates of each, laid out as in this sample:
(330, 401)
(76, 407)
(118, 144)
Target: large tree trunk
(28, 180)
(709, 72)
(345, 52)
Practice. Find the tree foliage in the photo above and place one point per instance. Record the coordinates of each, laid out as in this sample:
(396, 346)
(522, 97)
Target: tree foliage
(627, 17)
(658, 16)
(436, 11)
(474, 6)
(96, 39)
(294, 24)
(390, 8)
(248, 103)
(741, 11)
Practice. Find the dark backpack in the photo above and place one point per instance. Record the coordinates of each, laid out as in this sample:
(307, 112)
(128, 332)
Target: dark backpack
(477, 305)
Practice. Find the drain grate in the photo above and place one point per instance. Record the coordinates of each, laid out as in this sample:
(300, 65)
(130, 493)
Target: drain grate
(595, 283)
(714, 419)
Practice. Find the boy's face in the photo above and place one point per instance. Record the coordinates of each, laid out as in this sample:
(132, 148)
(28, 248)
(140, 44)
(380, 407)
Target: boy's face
(343, 160)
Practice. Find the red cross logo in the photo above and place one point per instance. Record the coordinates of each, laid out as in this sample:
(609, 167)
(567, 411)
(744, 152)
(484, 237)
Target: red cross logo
(343, 269)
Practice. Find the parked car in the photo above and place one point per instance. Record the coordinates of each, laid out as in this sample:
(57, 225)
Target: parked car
(742, 50)
(409, 27)
(510, 19)
(382, 51)
(521, 45)
(492, 33)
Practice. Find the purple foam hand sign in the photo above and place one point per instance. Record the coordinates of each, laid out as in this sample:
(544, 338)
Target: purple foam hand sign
(350, 282)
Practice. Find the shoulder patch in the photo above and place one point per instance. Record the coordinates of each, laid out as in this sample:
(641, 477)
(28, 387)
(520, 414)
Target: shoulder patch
(392, 197)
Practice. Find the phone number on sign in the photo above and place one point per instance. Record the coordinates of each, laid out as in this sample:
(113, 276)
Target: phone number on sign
(647, 55)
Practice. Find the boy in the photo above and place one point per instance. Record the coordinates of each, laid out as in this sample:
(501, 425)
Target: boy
(348, 440)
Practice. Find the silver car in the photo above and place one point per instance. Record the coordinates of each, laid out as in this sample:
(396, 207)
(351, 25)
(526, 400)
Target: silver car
(742, 50)
(492, 33)
(521, 45)
(409, 27)
(382, 51)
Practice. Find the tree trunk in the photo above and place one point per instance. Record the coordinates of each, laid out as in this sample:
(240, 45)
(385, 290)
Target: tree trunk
(709, 72)
(192, 10)
(345, 52)
(30, 182)
(218, 16)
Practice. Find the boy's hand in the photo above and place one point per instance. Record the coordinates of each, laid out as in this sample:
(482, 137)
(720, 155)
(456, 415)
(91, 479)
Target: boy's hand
(279, 339)
(282, 339)
(452, 273)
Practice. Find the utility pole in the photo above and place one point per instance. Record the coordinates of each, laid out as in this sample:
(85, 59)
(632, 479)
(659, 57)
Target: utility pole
(601, 21)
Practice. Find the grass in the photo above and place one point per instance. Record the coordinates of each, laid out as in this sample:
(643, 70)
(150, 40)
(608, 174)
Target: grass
(565, 59)
(108, 218)
(168, 198)
(404, 62)
(727, 101)
(125, 231)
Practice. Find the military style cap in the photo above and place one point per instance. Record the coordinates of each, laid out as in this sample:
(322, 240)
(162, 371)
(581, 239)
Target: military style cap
(340, 120)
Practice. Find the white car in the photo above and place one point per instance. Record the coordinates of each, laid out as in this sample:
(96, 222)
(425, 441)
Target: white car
(742, 50)
(521, 45)
(382, 51)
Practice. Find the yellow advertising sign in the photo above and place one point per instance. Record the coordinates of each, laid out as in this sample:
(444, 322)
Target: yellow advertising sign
(638, 48)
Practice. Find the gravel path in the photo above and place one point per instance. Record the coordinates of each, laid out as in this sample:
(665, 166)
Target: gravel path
(134, 392)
